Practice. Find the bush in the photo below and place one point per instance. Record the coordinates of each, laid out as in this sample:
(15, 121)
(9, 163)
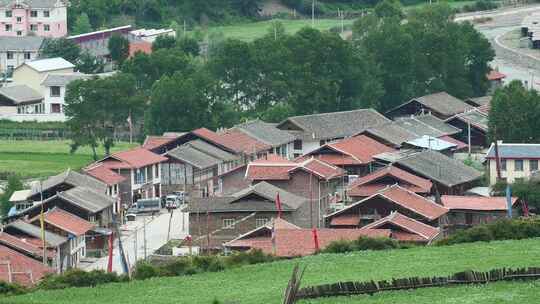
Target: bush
(9, 289)
(178, 267)
(79, 278)
(340, 246)
(208, 263)
(248, 258)
(363, 243)
(144, 270)
(504, 229)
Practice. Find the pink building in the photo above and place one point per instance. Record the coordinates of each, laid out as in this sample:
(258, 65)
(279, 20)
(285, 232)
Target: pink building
(45, 18)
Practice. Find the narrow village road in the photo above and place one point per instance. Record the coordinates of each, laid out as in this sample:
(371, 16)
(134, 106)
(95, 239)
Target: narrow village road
(156, 236)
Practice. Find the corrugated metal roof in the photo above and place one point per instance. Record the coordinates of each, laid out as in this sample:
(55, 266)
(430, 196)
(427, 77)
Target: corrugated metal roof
(49, 64)
(508, 150)
(26, 43)
(433, 143)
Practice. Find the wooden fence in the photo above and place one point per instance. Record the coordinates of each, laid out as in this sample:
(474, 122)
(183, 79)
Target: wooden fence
(371, 287)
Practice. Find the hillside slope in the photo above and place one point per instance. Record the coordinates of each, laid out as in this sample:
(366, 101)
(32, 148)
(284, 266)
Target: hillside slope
(265, 283)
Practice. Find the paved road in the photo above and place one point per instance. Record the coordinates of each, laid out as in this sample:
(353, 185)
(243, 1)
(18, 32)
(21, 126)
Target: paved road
(156, 236)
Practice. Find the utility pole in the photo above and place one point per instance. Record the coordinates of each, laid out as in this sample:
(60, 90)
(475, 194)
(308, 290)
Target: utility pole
(144, 236)
(313, 13)
(469, 136)
(135, 245)
(43, 225)
(169, 230)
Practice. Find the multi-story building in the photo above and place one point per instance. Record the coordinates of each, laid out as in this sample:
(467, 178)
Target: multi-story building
(44, 18)
(517, 162)
(15, 51)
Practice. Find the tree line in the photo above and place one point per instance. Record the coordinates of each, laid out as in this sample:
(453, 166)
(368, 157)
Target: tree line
(388, 61)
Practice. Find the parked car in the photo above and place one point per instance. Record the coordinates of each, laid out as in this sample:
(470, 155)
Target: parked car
(151, 205)
(172, 202)
(183, 196)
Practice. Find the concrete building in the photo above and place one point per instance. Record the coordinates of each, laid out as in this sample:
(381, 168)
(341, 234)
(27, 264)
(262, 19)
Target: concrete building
(517, 162)
(15, 51)
(44, 18)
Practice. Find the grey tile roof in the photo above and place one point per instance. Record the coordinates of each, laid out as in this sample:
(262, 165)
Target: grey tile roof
(335, 124)
(443, 103)
(440, 168)
(51, 238)
(211, 150)
(243, 200)
(31, 3)
(21, 94)
(72, 178)
(480, 101)
(193, 157)
(475, 117)
(426, 125)
(87, 199)
(266, 132)
(508, 150)
(392, 133)
(26, 43)
(62, 79)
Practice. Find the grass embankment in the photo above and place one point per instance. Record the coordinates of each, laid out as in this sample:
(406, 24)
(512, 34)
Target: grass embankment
(29, 158)
(264, 283)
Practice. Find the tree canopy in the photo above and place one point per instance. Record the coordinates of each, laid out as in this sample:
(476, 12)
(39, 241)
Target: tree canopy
(60, 47)
(118, 48)
(14, 184)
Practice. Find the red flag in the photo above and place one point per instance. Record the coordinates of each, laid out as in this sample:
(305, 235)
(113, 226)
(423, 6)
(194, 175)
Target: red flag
(273, 238)
(316, 239)
(525, 208)
(109, 265)
(278, 205)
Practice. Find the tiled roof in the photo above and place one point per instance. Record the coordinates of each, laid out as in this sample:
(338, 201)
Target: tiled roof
(406, 199)
(266, 132)
(479, 101)
(277, 168)
(390, 132)
(443, 103)
(459, 144)
(18, 268)
(477, 118)
(104, 174)
(152, 142)
(320, 168)
(51, 238)
(495, 75)
(21, 94)
(215, 138)
(359, 149)
(138, 157)
(63, 79)
(424, 231)
(241, 142)
(420, 185)
(212, 150)
(426, 124)
(515, 151)
(476, 203)
(21, 245)
(72, 178)
(193, 157)
(345, 220)
(439, 167)
(68, 222)
(25, 43)
(86, 199)
(335, 124)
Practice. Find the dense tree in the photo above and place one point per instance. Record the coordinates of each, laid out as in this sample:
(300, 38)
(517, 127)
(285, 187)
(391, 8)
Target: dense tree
(514, 114)
(60, 47)
(14, 184)
(88, 64)
(388, 9)
(82, 25)
(188, 45)
(163, 42)
(118, 48)
(98, 107)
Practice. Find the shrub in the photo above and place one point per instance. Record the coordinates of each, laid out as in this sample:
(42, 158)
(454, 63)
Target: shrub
(79, 278)
(366, 243)
(144, 270)
(340, 246)
(8, 289)
(255, 256)
(178, 267)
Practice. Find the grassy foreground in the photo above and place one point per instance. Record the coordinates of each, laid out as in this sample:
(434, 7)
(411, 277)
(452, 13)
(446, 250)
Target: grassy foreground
(43, 158)
(265, 283)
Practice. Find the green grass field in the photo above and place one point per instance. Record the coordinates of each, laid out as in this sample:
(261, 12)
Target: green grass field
(254, 30)
(43, 158)
(265, 283)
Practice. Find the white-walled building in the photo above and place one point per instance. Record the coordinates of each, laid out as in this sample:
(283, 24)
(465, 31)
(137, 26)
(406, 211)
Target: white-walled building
(15, 51)
(44, 18)
(517, 161)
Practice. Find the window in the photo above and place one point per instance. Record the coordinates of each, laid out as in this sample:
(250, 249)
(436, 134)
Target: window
(259, 222)
(46, 27)
(19, 33)
(8, 27)
(55, 91)
(9, 55)
(298, 144)
(27, 55)
(503, 164)
(9, 14)
(19, 19)
(533, 165)
(46, 14)
(228, 223)
(322, 142)
(55, 108)
(518, 165)
(33, 14)
(33, 27)
(156, 171)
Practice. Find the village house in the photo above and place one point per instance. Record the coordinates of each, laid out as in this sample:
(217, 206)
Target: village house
(390, 134)
(282, 142)
(495, 79)
(15, 51)
(27, 247)
(141, 170)
(517, 162)
(38, 90)
(382, 204)
(427, 142)
(16, 267)
(468, 211)
(353, 154)
(448, 175)
(69, 226)
(292, 241)
(44, 18)
(406, 229)
(216, 220)
(441, 105)
(390, 175)
(313, 131)
(474, 126)
(479, 101)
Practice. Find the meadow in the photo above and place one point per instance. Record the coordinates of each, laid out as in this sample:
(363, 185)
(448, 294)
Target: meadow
(29, 158)
(264, 283)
